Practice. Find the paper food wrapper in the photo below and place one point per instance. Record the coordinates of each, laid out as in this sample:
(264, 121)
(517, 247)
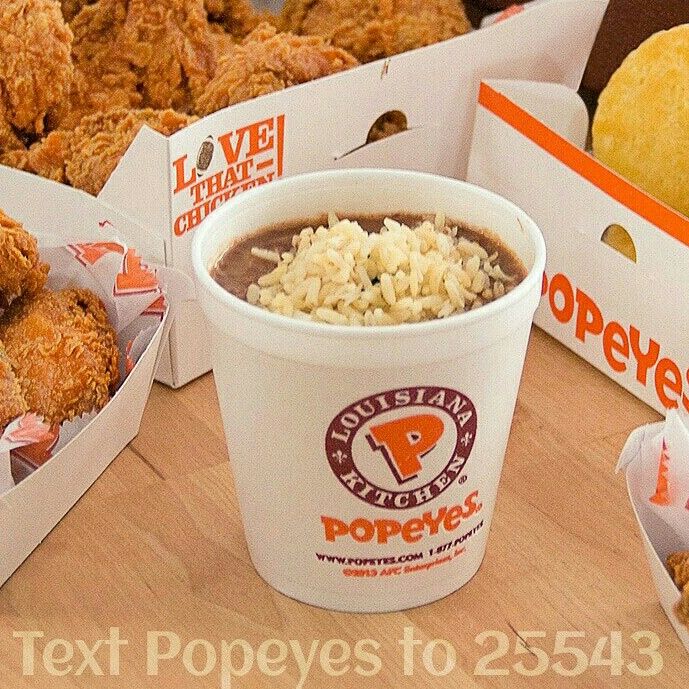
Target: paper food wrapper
(135, 303)
(656, 461)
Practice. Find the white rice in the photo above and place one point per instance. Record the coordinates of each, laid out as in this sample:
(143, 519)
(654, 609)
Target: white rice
(343, 275)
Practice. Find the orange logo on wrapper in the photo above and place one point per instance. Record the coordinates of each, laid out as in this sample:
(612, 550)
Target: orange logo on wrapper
(135, 277)
(90, 254)
(661, 497)
(402, 448)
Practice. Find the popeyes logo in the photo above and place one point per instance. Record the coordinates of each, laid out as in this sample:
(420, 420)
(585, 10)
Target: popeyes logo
(402, 448)
(250, 155)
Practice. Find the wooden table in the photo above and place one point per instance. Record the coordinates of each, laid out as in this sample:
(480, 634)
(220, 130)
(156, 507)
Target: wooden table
(156, 545)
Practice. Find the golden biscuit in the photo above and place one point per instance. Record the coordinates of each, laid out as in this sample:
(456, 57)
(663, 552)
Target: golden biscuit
(641, 127)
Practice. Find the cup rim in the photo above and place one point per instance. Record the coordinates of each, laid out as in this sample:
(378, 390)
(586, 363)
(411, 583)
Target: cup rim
(282, 322)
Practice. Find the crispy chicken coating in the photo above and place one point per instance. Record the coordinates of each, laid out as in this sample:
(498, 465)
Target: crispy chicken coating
(678, 564)
(21, 271)
(45, 158)
(63, 351)
(268, 61)
(86, 156)
(35, 65)
(237, 17)
(372, 29)
(9, 140)
(134, 53)
(12, 402)
(96, 146)
(683, 606)
(70, 8)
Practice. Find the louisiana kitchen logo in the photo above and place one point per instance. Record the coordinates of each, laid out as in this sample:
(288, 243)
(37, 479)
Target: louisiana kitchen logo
(401, 448)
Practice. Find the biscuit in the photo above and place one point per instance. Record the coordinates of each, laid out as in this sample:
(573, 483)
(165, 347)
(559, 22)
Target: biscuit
(641, 126)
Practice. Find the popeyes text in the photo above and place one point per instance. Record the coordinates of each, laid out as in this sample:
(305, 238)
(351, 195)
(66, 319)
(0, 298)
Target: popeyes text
(624, 348)
(430, 523)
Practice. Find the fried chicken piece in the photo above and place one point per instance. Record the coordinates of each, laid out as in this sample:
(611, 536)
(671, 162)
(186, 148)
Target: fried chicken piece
(45, 158)
(70, 8)
(63, 352)
(237, 17)
(21, 271)
(139, 53)
(683, 606)
(372, 29)
(35, 64)
(103, 79)
(9, 140)
(86, 156)
(678, 564)
(268, 61)
(12, 403)
(96, 146)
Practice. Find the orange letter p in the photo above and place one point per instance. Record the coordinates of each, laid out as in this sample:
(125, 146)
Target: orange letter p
(403, 442)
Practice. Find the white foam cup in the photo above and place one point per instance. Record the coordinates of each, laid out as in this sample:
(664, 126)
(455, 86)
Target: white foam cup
(367, 459)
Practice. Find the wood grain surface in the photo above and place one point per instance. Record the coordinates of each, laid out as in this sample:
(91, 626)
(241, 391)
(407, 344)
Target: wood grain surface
(157, 545)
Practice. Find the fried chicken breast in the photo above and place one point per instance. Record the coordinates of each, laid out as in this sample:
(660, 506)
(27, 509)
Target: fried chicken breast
(139, 53)
(268, 61)
(63, 351)
(372, 29)
(35, 65)
(21, 271)
(86, 156)
(12, 402)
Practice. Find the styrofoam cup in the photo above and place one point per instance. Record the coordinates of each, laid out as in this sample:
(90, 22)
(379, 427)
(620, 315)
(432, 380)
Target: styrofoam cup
(367, 459)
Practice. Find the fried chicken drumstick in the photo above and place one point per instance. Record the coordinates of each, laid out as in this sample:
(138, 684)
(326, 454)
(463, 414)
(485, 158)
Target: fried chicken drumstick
(63, 352)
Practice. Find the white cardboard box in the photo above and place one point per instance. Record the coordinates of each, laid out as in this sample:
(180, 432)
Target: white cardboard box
(324, 124)
(629, 319)
(30, 510)
(658, 537)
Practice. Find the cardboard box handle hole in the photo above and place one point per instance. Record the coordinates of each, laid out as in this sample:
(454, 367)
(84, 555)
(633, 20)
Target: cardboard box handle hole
(617, 238)
(389, 123)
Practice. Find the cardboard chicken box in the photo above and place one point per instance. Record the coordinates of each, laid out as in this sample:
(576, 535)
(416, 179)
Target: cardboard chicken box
(44, 470)
(169, 185)
(624, 311)
(655, 460)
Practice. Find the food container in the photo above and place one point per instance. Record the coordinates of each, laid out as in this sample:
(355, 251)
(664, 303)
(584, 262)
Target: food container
(161, 185)
(625, 313)
(658, 538)
(327, 520)
(75, 241)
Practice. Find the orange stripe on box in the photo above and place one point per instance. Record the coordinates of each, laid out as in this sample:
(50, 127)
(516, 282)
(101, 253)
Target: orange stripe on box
(609, 182)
